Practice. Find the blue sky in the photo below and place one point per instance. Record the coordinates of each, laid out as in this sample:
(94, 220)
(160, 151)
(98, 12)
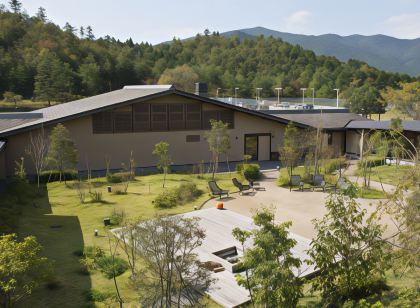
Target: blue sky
(157, 20)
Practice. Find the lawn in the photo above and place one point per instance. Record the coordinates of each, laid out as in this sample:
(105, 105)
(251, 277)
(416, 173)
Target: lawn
(390, 174)
(63, 226)
(23, 105)
(391, 114)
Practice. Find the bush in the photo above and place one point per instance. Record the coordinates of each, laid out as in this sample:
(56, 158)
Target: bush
(94, 295)
(118, 177)
(332, 165)
(111, 266)
(54, 175)
(188, 192)
(96, 196)
(93, 252)
(372, 161)
(250, 171)
(117, 216)
(166, 200)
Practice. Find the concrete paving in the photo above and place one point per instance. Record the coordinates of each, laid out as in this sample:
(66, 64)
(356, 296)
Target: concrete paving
(299, 207)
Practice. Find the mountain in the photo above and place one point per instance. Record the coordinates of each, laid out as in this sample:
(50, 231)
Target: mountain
(381, 51)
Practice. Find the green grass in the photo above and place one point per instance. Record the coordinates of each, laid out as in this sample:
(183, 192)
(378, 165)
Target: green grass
(370, 193)
(391, 114)
(283, 179)
(391, 174)
(23, 105)
(63, 225)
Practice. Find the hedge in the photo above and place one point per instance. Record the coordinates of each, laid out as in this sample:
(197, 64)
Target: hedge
(249, 171)
(54, 175)
(372, 161)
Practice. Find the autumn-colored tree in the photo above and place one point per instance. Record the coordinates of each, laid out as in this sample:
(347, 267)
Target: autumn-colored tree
(182, 77)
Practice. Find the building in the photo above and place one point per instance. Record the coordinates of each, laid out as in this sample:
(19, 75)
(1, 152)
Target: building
(135, 118)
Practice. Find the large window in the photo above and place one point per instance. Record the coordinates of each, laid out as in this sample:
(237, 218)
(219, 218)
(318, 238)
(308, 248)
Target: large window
(142, 117)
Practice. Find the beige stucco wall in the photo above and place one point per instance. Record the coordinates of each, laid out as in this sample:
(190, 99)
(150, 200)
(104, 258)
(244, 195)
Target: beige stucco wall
(96, 147)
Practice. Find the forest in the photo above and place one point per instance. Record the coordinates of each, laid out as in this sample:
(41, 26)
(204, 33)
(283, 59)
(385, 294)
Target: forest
(42, 61)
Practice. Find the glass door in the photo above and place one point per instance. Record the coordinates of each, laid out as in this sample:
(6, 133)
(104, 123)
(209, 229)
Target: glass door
(251, 146)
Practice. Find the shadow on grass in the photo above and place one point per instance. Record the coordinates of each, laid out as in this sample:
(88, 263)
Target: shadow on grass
(60, 236)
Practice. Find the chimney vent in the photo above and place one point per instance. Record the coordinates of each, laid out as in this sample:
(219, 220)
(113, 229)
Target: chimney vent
(201, 89)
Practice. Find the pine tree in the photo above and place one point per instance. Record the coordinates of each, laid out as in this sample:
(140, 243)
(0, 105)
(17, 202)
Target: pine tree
(15, 6)
(41, 14)
(89, 34)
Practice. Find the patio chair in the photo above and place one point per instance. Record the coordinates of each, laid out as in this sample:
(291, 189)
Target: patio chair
(242, 188)
(295, 181)
(318, 182)
(254, 185)
(216, 190)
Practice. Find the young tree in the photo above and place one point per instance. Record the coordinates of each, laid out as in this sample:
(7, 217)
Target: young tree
(10, 96)
(348, 249)
(22, 269)
(37, 149)
(16, 6)
(183, 77)
(406, 99)
(291, 151)
(269, 264)
(62, 152)
(365, 100)
(161, 150)
(219, 142)
(173, 275)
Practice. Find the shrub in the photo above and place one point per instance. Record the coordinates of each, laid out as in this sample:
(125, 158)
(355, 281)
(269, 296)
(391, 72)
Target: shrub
(111, 267)
(372, 161)
(334, 164)
(166, 200)
(96, 196)
(54, 175)
(187, 192)
(118, 190)
(93, 252)
(283, 180)
(250, 171)
(94, 295)
(117, 216)
(119, 177)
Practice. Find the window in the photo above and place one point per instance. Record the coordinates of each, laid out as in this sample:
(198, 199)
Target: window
(159, 117)
(123, 122)
(176, 116)
(193, 138)
(227, 116)
(102, 123)
(207, 116)
(193, 116)
(141, 117)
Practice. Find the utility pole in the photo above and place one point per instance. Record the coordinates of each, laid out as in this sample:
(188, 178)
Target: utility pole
(337, 90)
(236, 96)
(278, 94)
(303, 95)
(313, 96)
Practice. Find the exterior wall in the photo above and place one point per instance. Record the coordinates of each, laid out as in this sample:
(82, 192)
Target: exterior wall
(338, 140)
(96, 147)
(352, 142)
(2, 164)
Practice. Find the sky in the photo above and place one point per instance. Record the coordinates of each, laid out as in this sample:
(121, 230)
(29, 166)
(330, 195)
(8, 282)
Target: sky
(156, 21)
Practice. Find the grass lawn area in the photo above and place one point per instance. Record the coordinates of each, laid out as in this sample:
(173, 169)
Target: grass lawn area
(24, 104)
(63, 225)
(389, 174)
(391, 114)
(283, 179)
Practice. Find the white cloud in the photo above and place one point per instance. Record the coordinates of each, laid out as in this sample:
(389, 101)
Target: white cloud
(298, 21)
(403, 26)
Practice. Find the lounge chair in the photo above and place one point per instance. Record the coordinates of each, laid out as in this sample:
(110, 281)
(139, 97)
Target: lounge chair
(296, 181)
(216, 190)
(242, 188)
(254, 185)
(319, 182)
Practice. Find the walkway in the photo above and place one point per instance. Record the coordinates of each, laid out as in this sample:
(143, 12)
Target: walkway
(299, 207)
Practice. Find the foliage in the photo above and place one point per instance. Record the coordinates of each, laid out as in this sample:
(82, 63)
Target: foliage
(182, 77)
(22, 268)
(406, 98)
(365, 100)
(94, 295)
(186, 192)
(62, 152)
(117, 216)
(292, 149)
(348, 250)
(54, 175)
(20, 172)
(111, 266)
(178, 238)
(219, 142)
(270, 263)
(117, 177)
(371, 162)
(161, 150)
(249, 171)
(10, 96)
(37, 149)
(92, 66)
(334, 164)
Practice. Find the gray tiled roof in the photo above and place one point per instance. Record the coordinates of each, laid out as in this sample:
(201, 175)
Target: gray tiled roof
(324, 120)
(82, 106)
(411, 125)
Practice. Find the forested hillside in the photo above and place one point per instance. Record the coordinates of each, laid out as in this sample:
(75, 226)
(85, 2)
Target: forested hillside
(42, 61)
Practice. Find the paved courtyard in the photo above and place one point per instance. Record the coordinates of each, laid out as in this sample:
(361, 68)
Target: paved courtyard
(299, 207)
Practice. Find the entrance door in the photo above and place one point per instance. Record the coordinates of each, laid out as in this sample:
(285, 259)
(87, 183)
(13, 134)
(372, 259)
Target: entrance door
(251, 146)
(258, 146)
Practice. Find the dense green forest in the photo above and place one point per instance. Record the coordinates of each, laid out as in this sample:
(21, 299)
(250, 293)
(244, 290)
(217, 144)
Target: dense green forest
(41, 61)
